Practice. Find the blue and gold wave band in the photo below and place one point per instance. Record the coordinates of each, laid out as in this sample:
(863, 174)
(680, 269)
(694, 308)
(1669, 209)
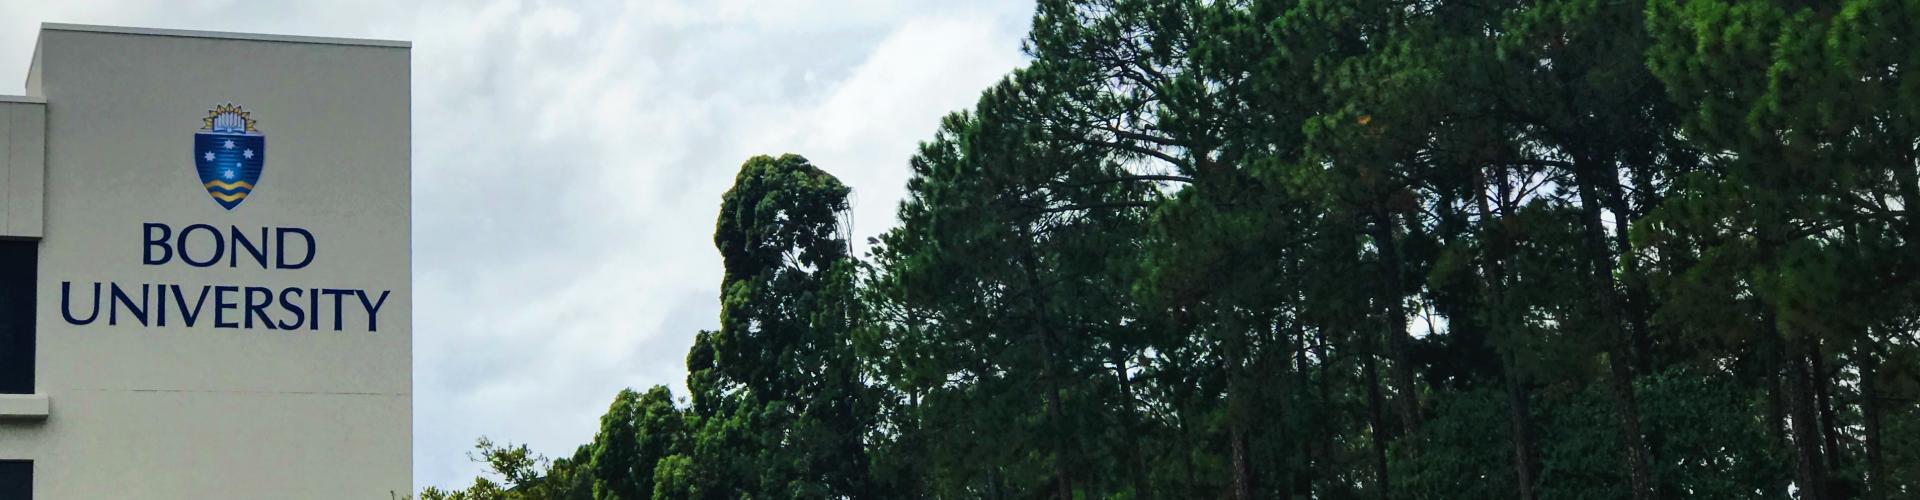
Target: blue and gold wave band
(225, 186)
(229, 192)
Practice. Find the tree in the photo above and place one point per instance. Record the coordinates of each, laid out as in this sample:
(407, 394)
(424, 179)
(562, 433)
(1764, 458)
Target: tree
(782, 359)
(1004, 254)
(635, 434)
(1811, 124)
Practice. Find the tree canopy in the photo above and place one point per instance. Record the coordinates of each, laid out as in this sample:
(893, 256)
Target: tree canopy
(1334, 249)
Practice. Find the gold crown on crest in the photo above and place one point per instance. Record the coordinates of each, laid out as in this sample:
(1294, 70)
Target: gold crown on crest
(228, 118)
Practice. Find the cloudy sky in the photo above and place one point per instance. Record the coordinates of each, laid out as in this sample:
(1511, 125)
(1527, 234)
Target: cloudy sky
(533, 307)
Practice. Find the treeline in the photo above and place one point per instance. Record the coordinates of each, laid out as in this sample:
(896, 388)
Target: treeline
(1335, 249)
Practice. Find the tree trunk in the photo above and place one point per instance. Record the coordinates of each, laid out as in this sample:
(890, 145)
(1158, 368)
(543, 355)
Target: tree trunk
(1518, 412)
(1776, 399)
(1606, 298)
(1823, 398)
(1908, 181)
(1620, 385)
(1399, 345)
(1639, 295)
(1635, 307)
(1063, 475)
(1303, 382)
(1870, 406)
(1376, 421)
(1063, 472)
(1242, 463)
(1141, 486)
(1324, 438)
(1808, 464)
(1801, 402)
(1187, 450)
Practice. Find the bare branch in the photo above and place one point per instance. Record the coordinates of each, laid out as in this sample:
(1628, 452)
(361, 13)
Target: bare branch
(1129, 178)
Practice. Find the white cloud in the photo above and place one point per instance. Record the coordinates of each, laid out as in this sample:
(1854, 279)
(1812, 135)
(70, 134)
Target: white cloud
(569, 160)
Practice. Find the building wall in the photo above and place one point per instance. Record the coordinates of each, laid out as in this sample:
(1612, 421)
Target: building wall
(23, 127)
(151, 411)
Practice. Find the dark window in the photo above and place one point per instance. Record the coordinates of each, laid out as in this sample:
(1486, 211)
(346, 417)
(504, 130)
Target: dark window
(16, 480)
(17, 262)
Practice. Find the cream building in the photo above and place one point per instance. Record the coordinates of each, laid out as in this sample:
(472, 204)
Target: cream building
(204, 267)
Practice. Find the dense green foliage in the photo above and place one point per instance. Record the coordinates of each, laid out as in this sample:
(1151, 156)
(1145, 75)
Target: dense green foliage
(1335, 249)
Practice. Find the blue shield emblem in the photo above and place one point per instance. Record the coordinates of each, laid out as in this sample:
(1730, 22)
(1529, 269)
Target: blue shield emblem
(228, 152)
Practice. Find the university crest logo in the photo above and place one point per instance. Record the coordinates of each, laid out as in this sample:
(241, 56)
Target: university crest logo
(229, 153)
